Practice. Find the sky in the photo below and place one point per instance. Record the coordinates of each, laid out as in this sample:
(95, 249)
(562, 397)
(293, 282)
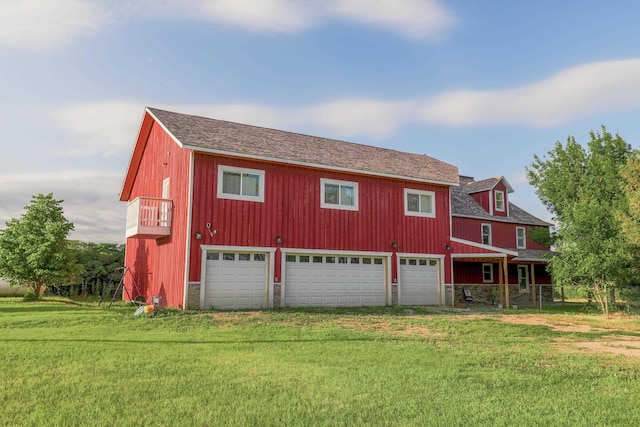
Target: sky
(483, 85)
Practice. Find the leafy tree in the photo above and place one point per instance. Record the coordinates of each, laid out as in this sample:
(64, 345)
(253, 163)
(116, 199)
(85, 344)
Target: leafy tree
(34, 251)
(98, 260)
(583, 188)
(630, 219)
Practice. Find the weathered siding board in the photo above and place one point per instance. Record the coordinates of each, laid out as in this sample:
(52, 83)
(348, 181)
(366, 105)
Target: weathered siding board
(291, 210)
(158, 265)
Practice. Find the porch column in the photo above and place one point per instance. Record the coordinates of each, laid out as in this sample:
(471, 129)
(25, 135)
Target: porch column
(501, 282)
(506, 282)
(453, 285)
(533, 284)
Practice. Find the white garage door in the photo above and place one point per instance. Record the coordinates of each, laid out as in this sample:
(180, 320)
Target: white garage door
(334, 281)
(419, 281)
(236, 280)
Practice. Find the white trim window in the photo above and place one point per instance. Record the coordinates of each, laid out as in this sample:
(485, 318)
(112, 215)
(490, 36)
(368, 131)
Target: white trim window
(486, 234)
(336, 194)
(419, 203)
(487, 273)
(240, 184)
(521, 238)
(165, 188)
(499, 200)
(523, 278)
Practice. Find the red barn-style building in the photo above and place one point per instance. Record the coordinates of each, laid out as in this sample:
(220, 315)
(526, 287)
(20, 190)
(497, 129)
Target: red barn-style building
(224, 215)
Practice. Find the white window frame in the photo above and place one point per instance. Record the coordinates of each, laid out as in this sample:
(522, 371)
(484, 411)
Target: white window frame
(339, 183)
(490, 271)
(221, 195)
(501, 193)
(482, 226)
(520, 239)
(525, 268)
(165, 188)
(419, 193)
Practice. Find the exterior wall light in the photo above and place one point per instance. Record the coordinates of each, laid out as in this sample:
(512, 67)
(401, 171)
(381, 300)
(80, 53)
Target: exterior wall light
(278, 240)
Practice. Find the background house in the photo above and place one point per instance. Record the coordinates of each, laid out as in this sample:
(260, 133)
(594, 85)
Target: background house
(504, 253)
(225, 215)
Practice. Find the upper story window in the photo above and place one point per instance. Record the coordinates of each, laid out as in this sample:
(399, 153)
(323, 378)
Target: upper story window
(499, 200)
(419, 203)
(521, 238)
(486, 234)
(240, 184)
(165, 188)
(336, 194)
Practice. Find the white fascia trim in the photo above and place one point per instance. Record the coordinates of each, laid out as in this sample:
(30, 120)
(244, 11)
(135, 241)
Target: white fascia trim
(478, 255)
(315, 165)
(187, 257)
(503, 219)
(176, 140)
(420, 256)
(237, 248)
(331, 252)
(481, 246)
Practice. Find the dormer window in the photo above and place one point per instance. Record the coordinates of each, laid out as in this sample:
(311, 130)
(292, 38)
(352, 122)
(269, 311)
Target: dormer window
(499, 201)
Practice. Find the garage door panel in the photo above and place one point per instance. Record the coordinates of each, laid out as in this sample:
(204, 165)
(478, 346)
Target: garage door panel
(235, 280)
(419, 282)
(347, 281)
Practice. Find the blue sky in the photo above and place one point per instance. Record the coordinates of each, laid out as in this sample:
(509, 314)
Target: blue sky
(481, 85)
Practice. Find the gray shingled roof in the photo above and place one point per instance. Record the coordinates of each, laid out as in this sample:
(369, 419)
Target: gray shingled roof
(463, 204)
(200, 133)
(533, 255)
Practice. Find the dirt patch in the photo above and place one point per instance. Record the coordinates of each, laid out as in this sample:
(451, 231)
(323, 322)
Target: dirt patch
(627, 346)
(561, 326)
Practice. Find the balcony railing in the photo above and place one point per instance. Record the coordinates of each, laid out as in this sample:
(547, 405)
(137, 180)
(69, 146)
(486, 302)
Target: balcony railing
(149, 218)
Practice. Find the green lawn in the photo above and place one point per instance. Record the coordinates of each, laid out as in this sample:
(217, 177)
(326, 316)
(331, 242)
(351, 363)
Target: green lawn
(72, 363)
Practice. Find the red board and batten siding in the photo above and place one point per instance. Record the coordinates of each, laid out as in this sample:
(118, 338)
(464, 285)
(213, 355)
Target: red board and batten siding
(159, 265)
(471, 273)
(500, 187)
(487, 199)
(291, 210)
(503, 234)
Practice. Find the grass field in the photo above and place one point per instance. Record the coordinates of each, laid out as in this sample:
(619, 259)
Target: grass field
(72, 363)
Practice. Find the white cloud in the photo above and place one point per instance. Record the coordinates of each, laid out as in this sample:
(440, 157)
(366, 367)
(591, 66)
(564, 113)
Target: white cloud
(46, 23)
(109, 128)
(90, 200)
(598, 87)
(358, 116)
(100, 128)
(412, 18)
(284, 16)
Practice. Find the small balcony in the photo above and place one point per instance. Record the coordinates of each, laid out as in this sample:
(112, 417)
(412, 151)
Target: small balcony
(149, 218)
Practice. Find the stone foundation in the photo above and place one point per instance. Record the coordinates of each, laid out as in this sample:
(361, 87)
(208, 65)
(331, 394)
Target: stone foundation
(277, 295)
(489, 295)
(193, 296)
